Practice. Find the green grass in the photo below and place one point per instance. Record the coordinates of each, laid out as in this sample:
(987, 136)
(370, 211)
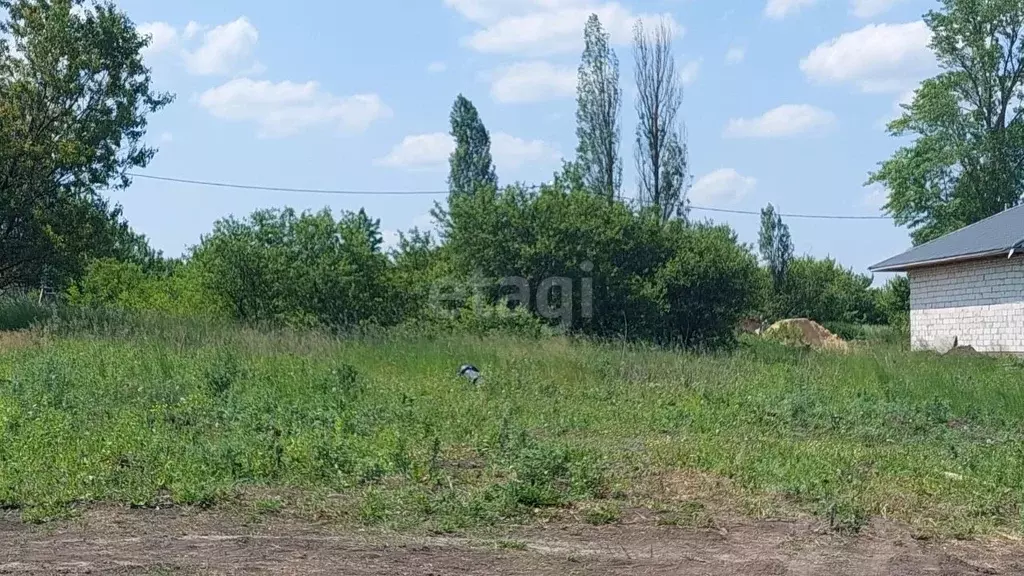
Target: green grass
(382, 425)
(21, 311)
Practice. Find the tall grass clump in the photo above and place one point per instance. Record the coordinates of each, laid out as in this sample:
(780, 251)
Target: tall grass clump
(21, 311)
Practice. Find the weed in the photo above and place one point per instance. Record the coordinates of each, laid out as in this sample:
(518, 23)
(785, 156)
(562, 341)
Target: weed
(603, 513)
(268, 505)
(689, 514)
(125, 411)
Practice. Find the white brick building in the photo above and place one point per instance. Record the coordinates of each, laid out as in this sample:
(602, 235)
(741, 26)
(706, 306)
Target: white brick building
(968, 287)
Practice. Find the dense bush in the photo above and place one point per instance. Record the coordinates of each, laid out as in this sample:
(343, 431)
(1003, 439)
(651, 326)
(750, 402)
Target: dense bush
(175, 289)
(894, 301)
(699, 294)
(625, 273)
(826, 292)
(282, 267)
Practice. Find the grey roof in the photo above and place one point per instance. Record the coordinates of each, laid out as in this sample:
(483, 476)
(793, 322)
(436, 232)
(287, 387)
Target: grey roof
(994, 236)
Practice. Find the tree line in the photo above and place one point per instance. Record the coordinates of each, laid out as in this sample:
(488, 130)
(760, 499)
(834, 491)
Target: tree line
(75, 94)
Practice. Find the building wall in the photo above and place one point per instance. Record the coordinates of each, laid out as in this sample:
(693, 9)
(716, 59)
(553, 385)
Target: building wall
(980, 303)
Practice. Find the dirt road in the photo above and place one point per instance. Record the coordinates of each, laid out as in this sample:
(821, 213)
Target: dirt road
(189, 542)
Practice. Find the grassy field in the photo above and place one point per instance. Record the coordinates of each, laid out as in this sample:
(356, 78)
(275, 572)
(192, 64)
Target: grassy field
(381, 427)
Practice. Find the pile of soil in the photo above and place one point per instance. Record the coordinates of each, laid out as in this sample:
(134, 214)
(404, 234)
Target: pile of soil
(805, 332)
(750, 325)
(963, 351)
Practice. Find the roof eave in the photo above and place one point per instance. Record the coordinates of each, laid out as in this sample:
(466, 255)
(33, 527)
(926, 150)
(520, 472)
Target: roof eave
(904, 267)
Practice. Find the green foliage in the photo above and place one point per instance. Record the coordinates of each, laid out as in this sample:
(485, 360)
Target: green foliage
(471, 167)
(625, 273)
(74, 97)
(894, 302)
(965, 162)
(776, 245)
(598, 105)
(824, 291)
(280, 267)
(699, 294)
(660, 149)
(21, 311)
(174, 289)
(418, 267)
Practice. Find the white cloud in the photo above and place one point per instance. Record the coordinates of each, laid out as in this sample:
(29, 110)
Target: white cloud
(876, 58)
(688, 75)
(192, 29)
(871, 8)
(533, 81)
(735, 55)
(224, 49)
(512, 152)
(543, 27)
(162, 37)
(420, 151)
(431, 151)
(785, 120)
(286, 108)
(437, 67)
(875, 197)
(724, 185)
(779, 9)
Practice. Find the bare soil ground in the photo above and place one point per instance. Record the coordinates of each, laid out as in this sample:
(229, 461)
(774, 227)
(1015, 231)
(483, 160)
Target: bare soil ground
(124, 541)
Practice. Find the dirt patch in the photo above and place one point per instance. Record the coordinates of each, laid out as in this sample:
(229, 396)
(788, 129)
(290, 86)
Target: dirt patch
(805, 332)
(121, 541)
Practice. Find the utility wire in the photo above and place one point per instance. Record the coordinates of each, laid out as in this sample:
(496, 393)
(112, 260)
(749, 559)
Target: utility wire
(813, 216)
(445, 192)
(301, 190)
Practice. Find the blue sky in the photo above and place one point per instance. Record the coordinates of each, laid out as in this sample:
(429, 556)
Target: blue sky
(785, 102)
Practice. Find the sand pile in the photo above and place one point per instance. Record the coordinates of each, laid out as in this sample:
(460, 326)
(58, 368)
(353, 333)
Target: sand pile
(804, 332)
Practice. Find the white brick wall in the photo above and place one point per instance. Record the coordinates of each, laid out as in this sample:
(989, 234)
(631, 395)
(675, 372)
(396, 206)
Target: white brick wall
(980, 303)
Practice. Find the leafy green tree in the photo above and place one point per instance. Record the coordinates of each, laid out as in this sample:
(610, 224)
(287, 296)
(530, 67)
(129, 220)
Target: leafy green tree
(775, 244)
(698, 296)
(418, 263)
(598, 105)
(660, 151)
(824, 291)
(177, 290)
(894, 301)
(966, 161)
(74, 98)
(675, 178)
(471, 166)
(281, 267)
(645, 279)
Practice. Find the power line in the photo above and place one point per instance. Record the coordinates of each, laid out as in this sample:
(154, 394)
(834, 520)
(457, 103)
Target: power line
(299, 190)
(814, 216)
(445, 192)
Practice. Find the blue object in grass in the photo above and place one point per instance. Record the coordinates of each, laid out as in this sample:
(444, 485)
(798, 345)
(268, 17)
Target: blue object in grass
(469, 372)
